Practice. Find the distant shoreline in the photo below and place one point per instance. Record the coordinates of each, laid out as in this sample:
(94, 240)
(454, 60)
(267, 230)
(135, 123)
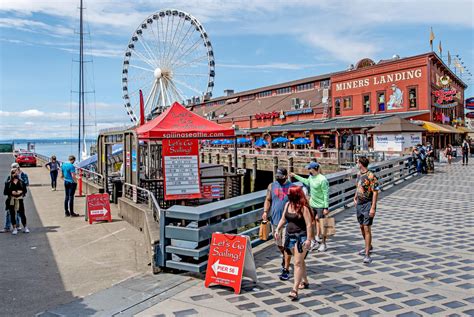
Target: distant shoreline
(46, 140)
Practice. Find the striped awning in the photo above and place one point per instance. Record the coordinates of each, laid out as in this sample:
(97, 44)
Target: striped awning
(438, 128)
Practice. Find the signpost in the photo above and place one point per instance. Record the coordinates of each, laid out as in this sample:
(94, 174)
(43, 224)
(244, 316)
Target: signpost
(98, 208)
(181, 169)
(230, 259)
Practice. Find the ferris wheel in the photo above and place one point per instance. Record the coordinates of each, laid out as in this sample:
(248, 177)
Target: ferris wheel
(169, 58)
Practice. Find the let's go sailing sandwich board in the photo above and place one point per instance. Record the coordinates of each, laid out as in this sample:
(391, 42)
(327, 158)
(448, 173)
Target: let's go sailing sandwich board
(98, 208)
(230, 259)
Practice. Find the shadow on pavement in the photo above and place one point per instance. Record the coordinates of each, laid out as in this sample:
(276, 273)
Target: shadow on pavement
(30, 281)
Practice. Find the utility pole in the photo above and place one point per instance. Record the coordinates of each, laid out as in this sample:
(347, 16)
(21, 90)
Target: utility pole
(81, 83)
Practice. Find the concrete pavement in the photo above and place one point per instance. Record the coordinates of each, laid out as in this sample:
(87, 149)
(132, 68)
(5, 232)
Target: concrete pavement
(62, 259)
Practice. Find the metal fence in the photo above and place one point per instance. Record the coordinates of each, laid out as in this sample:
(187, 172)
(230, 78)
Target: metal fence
(185, 231)
(91, 176)
(142, 196)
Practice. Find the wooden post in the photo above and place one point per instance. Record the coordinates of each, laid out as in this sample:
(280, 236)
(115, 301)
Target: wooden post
(253, 177)
(275, 166)
(229, 163)
(243, 165)
(290, 164)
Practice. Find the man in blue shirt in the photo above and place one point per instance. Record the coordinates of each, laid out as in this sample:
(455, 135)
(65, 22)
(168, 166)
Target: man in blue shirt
(68, 172)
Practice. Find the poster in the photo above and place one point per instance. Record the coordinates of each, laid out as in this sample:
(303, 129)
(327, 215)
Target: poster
(396, 142)
(181, 169)
(134, 160)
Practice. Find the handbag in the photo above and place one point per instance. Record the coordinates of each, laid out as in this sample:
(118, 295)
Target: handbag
(328, 226)
(264, 231)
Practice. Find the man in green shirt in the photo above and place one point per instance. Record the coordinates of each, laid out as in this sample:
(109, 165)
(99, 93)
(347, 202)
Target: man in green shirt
(319, 197)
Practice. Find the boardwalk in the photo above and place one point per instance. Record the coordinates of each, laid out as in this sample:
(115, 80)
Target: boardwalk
(62, 259)
(423, 262)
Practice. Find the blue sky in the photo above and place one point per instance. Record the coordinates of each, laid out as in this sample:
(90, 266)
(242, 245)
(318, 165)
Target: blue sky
(256, 43)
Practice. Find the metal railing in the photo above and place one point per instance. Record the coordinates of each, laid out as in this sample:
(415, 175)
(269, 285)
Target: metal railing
(91, 176)
(185, 231)
(142, 196)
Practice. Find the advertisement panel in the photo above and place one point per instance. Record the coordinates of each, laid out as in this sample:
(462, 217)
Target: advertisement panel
(181, 169)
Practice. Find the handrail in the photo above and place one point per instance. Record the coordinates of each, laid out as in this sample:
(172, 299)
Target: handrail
(141, 195)
(89, 175)
(185, 231)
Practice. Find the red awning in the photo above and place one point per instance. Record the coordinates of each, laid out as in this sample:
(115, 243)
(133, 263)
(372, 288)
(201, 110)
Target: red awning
(177, 122)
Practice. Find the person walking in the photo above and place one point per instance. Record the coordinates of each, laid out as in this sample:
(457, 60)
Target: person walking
(68, 173)
(319, 198)
(449, 153)
(365, 200)
(53, 165)
(299, 230)
(429, 157)
(24, 178)
(465, 148)
(15, 190)
(277, 197)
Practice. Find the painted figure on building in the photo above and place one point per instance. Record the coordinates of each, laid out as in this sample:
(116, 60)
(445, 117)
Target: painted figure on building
(396, 99)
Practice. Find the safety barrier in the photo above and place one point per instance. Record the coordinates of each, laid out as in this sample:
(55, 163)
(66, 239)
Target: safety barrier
(185, 231)
(142, 196)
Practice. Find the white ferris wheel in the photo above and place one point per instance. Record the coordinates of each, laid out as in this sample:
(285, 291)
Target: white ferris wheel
(169, 58)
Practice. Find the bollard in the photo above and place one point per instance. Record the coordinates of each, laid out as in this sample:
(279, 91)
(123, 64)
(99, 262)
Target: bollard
(79, 183)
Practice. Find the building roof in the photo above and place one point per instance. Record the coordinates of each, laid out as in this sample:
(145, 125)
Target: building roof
(178, 122)
(397, 124)
(366, 121)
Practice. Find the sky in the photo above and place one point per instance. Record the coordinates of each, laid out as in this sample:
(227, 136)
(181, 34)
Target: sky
(256, 43)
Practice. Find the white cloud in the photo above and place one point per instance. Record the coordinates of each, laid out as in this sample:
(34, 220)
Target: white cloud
(34, 113)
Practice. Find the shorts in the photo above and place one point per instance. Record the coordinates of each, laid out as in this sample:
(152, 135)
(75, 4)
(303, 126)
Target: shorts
(318, 212)
(363, 211)
(292, 241)
(282, 234)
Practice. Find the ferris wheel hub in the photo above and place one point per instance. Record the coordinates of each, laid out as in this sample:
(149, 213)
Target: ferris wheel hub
(157, 73)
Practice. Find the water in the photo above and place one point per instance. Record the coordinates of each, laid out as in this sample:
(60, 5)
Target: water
(62, 149)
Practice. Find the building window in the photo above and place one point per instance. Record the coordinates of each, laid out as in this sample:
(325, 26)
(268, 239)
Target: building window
(324, 83)
(412, 98)
(248, 97)
(337, 106)
(381, 100)
(347, 103)
(305, 87)
(282, 91)
(366, 101)
(263, 94)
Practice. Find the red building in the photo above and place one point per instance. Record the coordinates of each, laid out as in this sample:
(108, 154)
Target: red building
(420, 87)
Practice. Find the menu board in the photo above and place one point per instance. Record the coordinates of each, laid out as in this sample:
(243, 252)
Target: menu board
(181, 169)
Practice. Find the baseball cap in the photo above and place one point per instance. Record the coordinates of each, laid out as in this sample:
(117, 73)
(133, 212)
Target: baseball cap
(15, 165)
(312, 165)
(281, 173)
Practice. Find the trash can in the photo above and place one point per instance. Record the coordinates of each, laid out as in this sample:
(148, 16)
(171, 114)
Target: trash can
(117, 186)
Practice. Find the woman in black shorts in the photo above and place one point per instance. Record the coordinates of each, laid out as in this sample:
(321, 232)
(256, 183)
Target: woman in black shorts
(297, 218)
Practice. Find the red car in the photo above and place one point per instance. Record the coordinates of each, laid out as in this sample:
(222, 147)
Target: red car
(26, 158)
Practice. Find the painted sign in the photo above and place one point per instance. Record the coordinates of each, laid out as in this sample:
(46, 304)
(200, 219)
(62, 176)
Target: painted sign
(396, 99)
(300, 111)
(470, 103)
(98, 208)
(230, 259)
(269, 115)
(379, 80)
(211, 191)
(396, 142)
(445, 98)
(181, 169)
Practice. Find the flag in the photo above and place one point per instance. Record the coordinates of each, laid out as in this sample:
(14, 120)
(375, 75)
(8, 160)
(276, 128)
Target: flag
(142, 109)
(432, 37)
(449, 59)
(440, 49)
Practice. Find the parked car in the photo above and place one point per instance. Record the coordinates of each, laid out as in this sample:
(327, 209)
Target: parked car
(26, 158)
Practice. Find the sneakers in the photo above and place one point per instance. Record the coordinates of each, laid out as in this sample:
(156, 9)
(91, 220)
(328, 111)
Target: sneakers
(322, 247)
(314, 245)
(67, 214)
(318, 239)
(5, 230)
(285, 275)
(367, 259)
(362, 252)
(73, 214)
(26, 230)
(15, 232)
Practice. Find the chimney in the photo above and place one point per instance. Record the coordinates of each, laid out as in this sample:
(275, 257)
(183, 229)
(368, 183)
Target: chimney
(229, 92)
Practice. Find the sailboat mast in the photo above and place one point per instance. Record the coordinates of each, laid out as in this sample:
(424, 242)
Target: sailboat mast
(81, 82)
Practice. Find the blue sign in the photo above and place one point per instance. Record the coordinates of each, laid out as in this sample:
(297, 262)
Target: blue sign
(446, 106)
(300, 111)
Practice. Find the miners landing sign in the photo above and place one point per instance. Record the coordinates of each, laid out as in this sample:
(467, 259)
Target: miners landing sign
(379, 79)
